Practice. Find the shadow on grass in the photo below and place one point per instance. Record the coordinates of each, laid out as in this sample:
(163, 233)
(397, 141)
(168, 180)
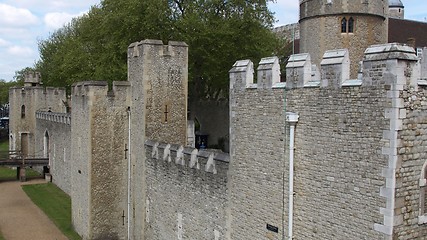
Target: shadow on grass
(55, 204)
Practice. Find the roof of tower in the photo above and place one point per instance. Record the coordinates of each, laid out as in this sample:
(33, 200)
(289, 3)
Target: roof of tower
(395, 3)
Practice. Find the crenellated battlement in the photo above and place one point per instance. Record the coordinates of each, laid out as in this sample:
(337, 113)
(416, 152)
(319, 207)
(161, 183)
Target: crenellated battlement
(268, 75)
(187, 156)
(138, 49)
(392, 59)
(64, 118)
(120, 89)
(32, 78)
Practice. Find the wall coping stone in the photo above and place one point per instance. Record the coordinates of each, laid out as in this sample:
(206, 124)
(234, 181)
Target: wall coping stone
(90, 83)
(390, 51)
(312, 84)
(64, 118)
(332, 57)
(352, 83)
(163, 151)
(298, 60)
(422, 82)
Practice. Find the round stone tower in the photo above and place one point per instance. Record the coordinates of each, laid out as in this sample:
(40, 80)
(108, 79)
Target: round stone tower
(336, 24)
(396, 9)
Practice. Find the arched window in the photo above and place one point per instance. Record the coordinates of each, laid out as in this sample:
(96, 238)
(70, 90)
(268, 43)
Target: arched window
(344, 25)
(422, 218)
(23, 111)
(350, 25)
(46, 145)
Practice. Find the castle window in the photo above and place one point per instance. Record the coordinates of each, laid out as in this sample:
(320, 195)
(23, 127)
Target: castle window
(351, 25)
(347, 25)
(344, 25)
(23, 111)
(422, 218)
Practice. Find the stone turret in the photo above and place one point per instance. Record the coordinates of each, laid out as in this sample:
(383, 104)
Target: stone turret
(396, 9)
(342, 24)
(32, 79)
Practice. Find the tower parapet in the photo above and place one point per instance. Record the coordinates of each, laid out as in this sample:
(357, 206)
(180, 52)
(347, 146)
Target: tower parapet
(32, 79)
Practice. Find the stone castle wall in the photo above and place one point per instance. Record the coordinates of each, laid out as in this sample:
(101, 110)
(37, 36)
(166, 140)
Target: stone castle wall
(99, 168)
(257, 152)
(53, 135)
(412, 153)
(186, 193)
(359, 148)
(359, 154)
(338, 161)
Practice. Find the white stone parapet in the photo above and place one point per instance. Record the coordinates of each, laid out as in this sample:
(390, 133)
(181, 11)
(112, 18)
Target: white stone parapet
(187, 156)
(335, 68)
(298, 70)
(64, 118)
(268, 74)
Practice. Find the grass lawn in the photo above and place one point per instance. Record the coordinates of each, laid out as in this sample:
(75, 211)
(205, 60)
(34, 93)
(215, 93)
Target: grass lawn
(10, 173)
(55, 204)
(4, 146)
(1, 237)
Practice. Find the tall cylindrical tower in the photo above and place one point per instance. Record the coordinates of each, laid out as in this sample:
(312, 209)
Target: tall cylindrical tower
(336, 24)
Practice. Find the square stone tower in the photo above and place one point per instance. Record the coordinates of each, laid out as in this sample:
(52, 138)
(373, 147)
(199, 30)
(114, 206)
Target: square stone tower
(24, 103)
(158, 75)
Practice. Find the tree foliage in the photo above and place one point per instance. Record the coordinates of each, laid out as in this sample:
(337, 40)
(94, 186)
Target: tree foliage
(4, 90)
(218, 32)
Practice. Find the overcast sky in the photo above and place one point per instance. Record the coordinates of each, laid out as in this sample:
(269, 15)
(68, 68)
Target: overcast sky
(24, 22)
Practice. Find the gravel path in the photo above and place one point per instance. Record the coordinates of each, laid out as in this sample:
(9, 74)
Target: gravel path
(20, 218)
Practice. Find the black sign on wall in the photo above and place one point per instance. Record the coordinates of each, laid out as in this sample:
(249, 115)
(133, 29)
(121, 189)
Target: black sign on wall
(272, 228)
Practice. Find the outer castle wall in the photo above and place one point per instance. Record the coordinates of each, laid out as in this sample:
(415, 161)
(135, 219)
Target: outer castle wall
(359, 152)
(338, 161)
(257, 154)
(186, 192)
(53, 135)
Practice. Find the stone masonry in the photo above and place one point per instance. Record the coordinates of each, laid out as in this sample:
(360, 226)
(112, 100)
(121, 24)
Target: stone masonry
(99, 132)
(325, 17)
(358, 152)
(53, 135)
(158, 75)
(24, 103)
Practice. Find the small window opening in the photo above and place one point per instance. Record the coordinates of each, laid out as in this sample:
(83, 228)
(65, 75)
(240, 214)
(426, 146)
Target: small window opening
(351, 25)
(23, 111)
(344, 25)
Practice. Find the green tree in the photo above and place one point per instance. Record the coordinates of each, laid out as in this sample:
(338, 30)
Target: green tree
(4, 90)
(218, 32)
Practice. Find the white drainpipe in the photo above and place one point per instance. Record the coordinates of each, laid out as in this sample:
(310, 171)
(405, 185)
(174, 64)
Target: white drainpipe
(292, 119)
(129, 176)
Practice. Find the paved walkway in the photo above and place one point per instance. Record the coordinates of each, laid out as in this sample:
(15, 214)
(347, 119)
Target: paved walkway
(20, 218)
